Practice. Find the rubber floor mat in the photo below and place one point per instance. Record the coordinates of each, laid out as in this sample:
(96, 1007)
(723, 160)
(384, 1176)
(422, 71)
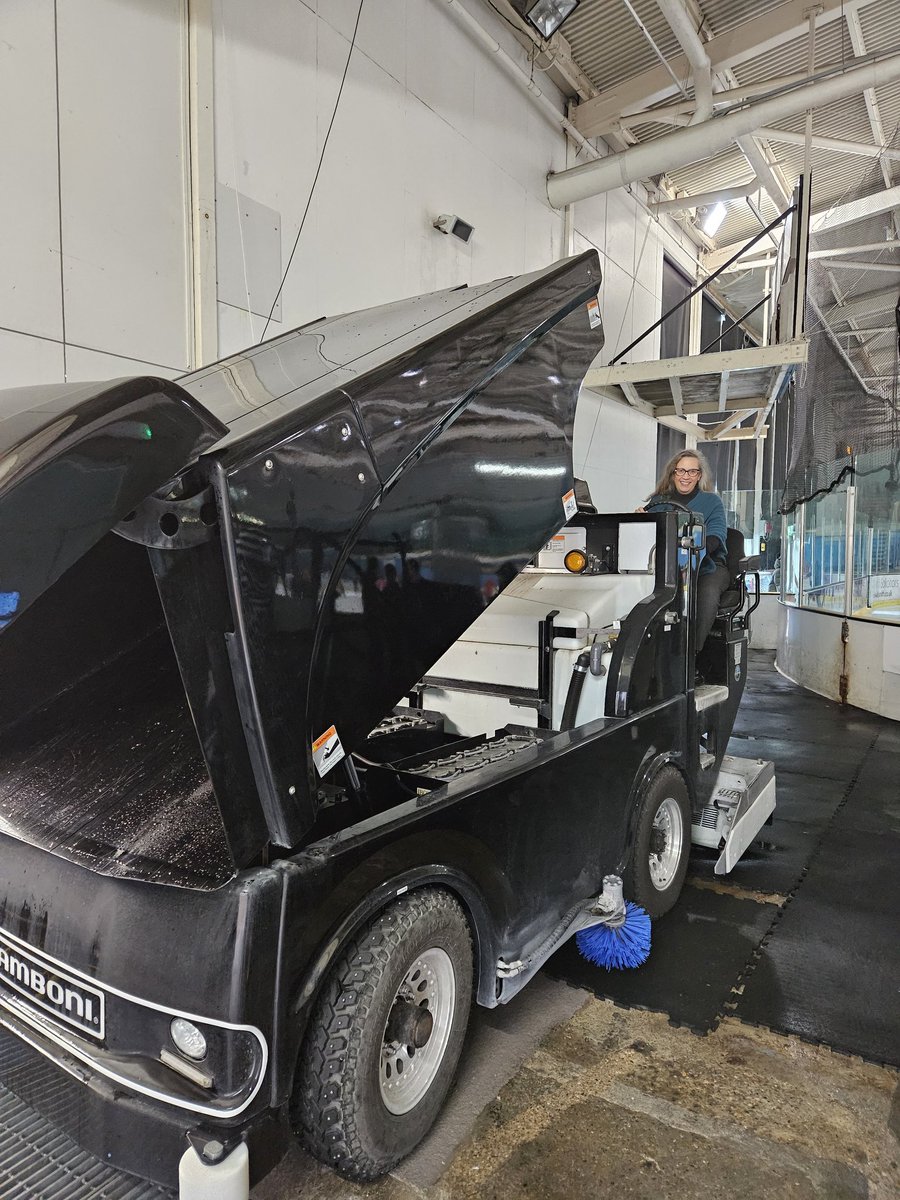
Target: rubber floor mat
(773, 864)
(829, 972)
(874, 804)
(698, 952)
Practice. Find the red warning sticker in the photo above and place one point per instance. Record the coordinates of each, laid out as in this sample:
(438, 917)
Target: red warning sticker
(570, 504)
(593, 311)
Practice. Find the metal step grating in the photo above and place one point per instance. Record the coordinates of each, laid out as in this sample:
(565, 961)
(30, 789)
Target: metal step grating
(37, 1162)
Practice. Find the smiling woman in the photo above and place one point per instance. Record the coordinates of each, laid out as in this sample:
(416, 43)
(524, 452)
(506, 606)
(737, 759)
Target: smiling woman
(687, 480)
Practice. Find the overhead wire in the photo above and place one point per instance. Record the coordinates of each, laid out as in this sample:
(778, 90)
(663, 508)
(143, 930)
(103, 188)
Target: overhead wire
(318, 170)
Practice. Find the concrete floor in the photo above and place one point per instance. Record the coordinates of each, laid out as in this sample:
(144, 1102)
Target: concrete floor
(619, 1103)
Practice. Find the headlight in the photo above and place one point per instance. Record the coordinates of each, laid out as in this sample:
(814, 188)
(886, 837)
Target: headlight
(188, 1039)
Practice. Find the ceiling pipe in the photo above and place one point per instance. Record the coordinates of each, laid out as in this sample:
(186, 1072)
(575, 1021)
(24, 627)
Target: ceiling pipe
(703, 199)
(688, 38)
(700, 142)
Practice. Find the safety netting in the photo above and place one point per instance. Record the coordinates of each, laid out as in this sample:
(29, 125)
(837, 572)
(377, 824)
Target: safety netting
(845, 404)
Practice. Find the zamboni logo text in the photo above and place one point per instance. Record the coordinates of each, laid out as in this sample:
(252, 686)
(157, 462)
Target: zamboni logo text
(52, 991)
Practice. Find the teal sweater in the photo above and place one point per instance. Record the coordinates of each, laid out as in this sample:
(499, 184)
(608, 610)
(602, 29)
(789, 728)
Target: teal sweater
(709, 506)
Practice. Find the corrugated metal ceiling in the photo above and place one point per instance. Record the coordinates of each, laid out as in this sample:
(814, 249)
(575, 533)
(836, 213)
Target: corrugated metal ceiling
(611, 48)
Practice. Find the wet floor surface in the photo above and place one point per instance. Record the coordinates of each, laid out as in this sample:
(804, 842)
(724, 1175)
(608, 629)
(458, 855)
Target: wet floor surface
(663, 1090)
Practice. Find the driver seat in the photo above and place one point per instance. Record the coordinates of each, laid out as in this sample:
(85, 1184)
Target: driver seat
(734, 599)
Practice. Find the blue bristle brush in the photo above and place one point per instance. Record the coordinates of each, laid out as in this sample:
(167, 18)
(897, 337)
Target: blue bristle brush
(621, 936)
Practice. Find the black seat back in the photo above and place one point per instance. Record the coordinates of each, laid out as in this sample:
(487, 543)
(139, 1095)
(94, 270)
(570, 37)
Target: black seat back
(734, 597)
(734, 547)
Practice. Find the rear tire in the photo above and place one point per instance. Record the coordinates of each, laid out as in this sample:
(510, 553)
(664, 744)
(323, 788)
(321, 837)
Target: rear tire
(655, 876)
(384, 1040)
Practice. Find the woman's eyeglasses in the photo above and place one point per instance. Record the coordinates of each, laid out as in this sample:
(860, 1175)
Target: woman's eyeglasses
(692, 472)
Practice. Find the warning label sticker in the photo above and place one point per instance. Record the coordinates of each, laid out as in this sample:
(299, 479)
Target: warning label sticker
(593, 311)
(327, 750)
(570, 505)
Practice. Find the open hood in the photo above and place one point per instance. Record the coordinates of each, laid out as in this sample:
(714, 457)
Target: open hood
(358, 491)
(383, 475)
(74, 460)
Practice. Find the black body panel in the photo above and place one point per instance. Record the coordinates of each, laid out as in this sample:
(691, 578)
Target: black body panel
(358, 524)
(74, 460)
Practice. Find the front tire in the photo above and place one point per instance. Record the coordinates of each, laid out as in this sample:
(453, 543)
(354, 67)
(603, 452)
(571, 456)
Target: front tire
(384, 1040)
(655, 876)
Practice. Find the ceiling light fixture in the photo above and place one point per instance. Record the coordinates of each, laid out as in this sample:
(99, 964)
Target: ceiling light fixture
(713, 218)
(546, 16)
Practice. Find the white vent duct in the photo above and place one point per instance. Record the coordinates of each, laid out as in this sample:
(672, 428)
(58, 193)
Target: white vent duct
(697, 143)
(689, 40)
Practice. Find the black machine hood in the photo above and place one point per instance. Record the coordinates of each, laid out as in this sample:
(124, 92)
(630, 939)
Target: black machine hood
(378, 477)
(384, 474)
(74, 460)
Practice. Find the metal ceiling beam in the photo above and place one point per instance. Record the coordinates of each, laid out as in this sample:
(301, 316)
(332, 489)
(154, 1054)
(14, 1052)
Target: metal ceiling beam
(703, 199)
(859, 265)
(841, 214)
(879, 301)
(859, 47)
(748, 40)
(679, 112)
(840, 145)
(752, 264)
(700, 142)
(857, 210)
(857, 41)
(758, 159)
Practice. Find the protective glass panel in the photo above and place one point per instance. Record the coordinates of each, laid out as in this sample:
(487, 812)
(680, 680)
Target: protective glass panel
(876, 535)
(824, 583)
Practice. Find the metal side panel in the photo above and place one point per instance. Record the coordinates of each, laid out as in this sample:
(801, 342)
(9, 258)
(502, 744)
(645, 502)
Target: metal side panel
(746, 827)
(742, 800)
(38, 1162)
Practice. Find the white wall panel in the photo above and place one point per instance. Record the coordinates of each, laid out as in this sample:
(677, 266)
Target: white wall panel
(617, 451)
(29, 360)
(621, 213)
(645, 311)
(239, 329)
(441, 62)
(360, 195)
(30, 297)
(616, 307)
(122, 178)
(89, 365)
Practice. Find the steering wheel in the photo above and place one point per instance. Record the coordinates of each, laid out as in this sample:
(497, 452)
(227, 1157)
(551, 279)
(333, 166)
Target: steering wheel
(675, 504)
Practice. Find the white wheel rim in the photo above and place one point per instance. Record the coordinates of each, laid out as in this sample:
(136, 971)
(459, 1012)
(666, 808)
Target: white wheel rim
(406, 1073)
(668, 831)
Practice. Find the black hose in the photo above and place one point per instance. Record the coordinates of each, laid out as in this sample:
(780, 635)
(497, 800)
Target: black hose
(576, 683)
